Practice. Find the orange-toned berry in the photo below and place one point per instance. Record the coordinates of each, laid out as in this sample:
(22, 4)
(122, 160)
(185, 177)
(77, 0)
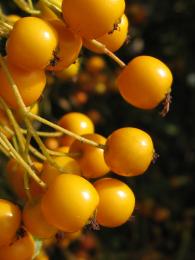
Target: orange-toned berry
(129, 151)
(92, 18)
(145, 82)
(77, 123)
(95, 64)
(35, 222)
(69, 202)
(22, 248)
(117, 202)
(69, 46)
(10, 218)
(52, 143)
(66, 164)
(112, 40)
(90, 159)
(12, 18)
(46, 13)
(34, 109)
(15, 177)
(70, 72)
(30, 52)
(30, 85)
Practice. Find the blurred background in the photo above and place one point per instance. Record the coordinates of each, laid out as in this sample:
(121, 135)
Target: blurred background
(162, 226)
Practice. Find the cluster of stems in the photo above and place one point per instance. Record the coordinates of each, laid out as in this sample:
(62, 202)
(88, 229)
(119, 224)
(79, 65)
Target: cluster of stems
(20, 148)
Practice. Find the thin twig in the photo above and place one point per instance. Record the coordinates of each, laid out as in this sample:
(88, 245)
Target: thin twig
(53, 6)
(61, 154)
(15, 125)
(20, 160)
(65, 131)
(44, 134)
(33, 150)
(15, 143)
(4, 151)
(102, 48)
(25, 111)
(22, 4)
(39, 142)
(30, 4)
(36, 153)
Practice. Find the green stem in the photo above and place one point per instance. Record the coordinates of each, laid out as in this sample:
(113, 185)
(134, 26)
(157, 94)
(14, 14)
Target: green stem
(39, 142)
(115, 58)
(27, 148)
(65, 131)
(5, 29)
(5, 146)
(4, 151)
(61, 154)
(102, 48)
(53, 6)
(44, 134)
(7, 129)
(20, 160)
(56, 3)
(36, 153)
(33, 150)
(26, 186)
(24, 110)
(14, 87)
(28, 139)
(6, 26)
(30, 4)
(26, 7)
(15, 143)
(15, 125)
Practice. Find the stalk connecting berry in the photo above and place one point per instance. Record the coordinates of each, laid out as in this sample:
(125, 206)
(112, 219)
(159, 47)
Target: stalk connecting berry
(63, 182)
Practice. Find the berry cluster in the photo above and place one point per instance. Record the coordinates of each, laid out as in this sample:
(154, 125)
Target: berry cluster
(62, 185)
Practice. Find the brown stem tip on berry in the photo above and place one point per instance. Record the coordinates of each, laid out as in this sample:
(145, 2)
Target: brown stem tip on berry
(20, 233)
(92, 223)
(54, 61)
(155, 157)
(128, 39)
(60, 236)
(115, 26)
(166, 105)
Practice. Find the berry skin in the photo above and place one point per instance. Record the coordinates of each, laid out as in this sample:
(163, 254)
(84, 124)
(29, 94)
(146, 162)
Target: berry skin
(69, 73)
(112, 40)
(22, 248)
(69, 202)
(69, 46)
(76, 122)
(30, 85)
(12, 18)
(90, 159)
(30, 52)
(15, 178)
(117, 202)
(10, 218)
(92, 18)
(46, 13)
(35, 222)
(95, 64)
(66, 165)
(145, 82)
(129, 151)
